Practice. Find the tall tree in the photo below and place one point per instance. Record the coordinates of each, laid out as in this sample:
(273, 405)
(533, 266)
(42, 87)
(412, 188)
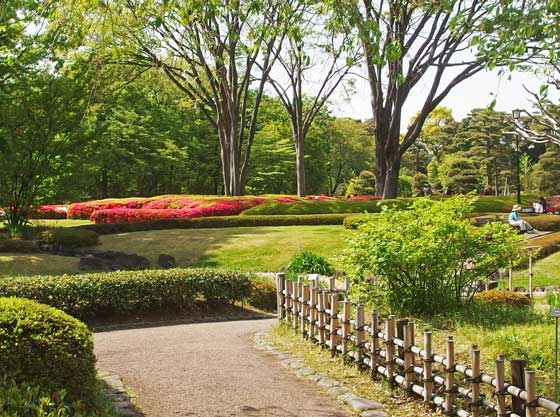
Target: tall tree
(318, 55)
(217, 53)
(408, 42)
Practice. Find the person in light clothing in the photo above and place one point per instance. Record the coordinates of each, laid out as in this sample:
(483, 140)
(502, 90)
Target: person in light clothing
(516, 221)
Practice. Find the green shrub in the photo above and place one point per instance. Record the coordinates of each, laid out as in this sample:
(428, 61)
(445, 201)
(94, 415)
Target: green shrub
(504, 297)
(215, 222)
(549, 244)
(31, 400)
(325, 207)
(43, 346)
(306, 262)
(418, 255)
(122, 292)
(70, 237)
(263, 294)
(352, 222)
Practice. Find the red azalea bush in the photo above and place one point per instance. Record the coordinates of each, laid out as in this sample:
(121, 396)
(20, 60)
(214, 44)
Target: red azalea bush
(49, 211)
(321, 197)
(363, 198)
(208, 208)
(287, 199)
(85, 210)
(553, 204)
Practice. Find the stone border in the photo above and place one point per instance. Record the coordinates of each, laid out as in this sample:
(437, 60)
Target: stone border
(361, 406)
(118, 396)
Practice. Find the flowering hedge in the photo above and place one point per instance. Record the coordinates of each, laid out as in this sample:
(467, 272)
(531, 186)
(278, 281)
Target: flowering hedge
(84, 210)
(49, 211)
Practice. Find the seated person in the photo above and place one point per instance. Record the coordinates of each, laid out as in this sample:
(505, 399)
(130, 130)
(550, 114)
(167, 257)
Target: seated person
(538, 208)
(543, 203)
(516, 221)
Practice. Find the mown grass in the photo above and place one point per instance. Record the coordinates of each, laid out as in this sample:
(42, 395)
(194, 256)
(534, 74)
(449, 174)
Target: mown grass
(546, 272)
(37, 264)
(244, 248)
(349, 375)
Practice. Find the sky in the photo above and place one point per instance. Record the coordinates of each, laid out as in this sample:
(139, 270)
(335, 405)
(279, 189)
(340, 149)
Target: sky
(475, 92)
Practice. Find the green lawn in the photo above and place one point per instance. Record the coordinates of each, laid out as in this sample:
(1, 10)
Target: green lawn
(37, 264)
(545, 272)
(60, 223)
(246, 248)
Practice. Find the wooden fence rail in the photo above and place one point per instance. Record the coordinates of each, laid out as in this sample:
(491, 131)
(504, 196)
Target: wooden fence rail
(458, 389)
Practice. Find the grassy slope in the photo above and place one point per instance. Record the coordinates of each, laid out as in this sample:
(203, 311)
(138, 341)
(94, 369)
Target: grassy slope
(545, 272)
(246, 248)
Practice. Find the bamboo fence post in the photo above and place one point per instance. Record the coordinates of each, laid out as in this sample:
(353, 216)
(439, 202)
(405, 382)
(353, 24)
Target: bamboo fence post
(334, 323)
(517, 374)
(411, 353)
(327, 314)
(304, 311)
(428, 360)
(313, 313)
(531, 386)
(510, 277)
(374, 346)
(360, 333)
(500, 392)
(475, 381)
(450, 376)
(346, 285)
(321, 317)
(390, 349)
(280, 285)
(295, 306)
(332, 284)
(400, 335)
(289, 290)
(408, 370)
(345, 325)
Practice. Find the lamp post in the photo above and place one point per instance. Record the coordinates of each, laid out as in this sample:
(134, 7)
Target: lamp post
(516, 116)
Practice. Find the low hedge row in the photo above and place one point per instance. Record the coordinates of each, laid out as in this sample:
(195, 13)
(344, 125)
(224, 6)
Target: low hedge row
(124, 292)
(70, 238)
(325, 207)
(214, 222)
(549, 244)
(45, 347)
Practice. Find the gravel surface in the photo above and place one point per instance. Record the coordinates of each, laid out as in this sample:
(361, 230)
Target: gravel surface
(208, 370)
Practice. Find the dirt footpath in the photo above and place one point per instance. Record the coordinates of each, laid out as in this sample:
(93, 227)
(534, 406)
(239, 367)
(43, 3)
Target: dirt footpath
(208, 370)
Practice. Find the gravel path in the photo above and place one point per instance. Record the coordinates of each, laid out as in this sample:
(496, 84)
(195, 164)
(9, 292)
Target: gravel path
(208, 370)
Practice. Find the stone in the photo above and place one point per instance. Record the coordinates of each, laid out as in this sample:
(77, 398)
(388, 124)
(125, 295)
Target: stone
(113, 261)
(338, 391)
(361, 404)
(328, 383)
(316, 377)
(166, 261)
(306, 371)
(374, 413)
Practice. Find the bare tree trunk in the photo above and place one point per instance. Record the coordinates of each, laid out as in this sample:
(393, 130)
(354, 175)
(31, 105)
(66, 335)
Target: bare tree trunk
(391, 189)
(300, 165)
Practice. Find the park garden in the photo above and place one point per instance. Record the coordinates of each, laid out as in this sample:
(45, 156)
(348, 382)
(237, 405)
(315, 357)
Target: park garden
(166, 160)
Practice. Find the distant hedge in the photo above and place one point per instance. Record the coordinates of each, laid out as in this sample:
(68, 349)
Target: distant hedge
(124, 292)
(325, 207)
(215, 222)
(549, 244)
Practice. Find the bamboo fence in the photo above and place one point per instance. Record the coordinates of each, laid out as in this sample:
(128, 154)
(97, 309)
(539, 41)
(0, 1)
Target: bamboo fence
(388, 348)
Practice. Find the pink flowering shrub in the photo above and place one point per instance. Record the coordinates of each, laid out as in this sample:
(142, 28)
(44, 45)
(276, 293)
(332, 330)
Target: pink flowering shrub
(49, 211)
(160, 209)
(363, 198)
(84, 210)
(319, 197)
(286, 199)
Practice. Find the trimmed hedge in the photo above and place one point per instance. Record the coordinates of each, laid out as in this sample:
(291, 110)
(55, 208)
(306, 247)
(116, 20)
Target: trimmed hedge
(19, 246)
(325, 207)
(215, 222)
(124, 292)
(504, 297)
(263, 294)
(70, 237)
(549, 244)
(43, 346)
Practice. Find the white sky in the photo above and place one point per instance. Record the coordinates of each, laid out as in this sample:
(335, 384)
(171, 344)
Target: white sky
(476, 92)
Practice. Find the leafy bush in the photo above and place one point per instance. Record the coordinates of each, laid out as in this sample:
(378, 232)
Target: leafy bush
(49, 211)
(325, 207)
(122, 292)
(504, 297)
(44, 346)
(352, 222)
(31, 400)
(215, 222)
(427, 258)
(70, 237)
(308, 263)
(363, 184)
(263, 294)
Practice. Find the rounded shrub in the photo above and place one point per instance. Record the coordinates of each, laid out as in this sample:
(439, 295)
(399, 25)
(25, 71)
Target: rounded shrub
(504, 297)
(70, 237)
(43, 346)
(263, 294)
(306, 262)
